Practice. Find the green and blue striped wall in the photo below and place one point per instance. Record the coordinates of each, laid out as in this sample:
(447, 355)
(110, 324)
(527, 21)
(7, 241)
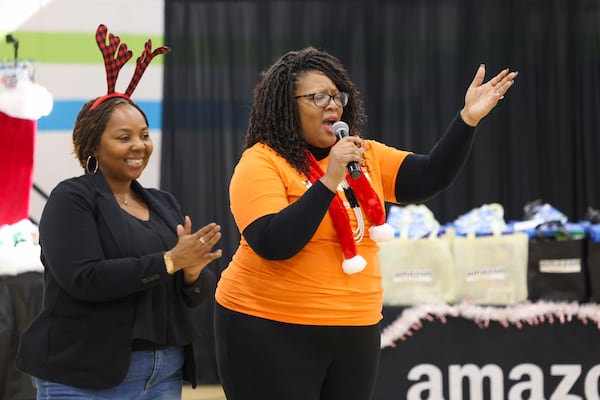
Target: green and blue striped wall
(70, 66)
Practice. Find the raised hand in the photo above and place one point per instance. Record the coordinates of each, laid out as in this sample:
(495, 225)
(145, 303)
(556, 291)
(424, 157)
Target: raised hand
(481, 97)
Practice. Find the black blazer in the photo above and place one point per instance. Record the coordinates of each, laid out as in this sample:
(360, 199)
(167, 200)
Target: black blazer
(82, 336)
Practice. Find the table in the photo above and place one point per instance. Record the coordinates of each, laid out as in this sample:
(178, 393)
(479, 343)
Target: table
(456, 359)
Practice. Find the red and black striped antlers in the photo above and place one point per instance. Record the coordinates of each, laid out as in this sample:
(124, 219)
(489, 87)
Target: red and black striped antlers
(116, 55)
(142, 62)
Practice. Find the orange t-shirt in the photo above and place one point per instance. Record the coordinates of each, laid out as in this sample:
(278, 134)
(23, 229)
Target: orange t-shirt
(309, 288)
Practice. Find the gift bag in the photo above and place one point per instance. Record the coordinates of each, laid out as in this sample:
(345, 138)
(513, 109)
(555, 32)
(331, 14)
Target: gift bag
(417, 271)
(491, 269)
(593, 262)
(557, 263)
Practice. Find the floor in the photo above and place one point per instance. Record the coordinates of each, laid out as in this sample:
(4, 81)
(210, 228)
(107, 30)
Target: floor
(212, 392)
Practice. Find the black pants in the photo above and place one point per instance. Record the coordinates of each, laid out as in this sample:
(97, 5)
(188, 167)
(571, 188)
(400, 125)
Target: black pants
(259, 359)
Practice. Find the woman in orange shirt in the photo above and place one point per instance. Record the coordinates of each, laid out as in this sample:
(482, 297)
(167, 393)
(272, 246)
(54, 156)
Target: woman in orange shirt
(298, 307)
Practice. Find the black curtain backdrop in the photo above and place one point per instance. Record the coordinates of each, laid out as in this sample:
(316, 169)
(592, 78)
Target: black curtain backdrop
(412, 61)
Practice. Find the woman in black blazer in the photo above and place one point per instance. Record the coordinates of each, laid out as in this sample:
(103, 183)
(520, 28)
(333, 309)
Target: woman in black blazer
(123, 272)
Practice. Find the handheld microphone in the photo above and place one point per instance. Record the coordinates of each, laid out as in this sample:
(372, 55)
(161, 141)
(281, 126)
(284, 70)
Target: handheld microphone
(341, 130)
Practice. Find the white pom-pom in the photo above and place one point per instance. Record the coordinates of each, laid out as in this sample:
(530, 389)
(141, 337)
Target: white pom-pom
(354, 265)
(27, 100)
(381, 233)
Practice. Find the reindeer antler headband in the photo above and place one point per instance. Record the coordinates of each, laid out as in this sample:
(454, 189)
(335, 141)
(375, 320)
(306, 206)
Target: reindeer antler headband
(115, 56)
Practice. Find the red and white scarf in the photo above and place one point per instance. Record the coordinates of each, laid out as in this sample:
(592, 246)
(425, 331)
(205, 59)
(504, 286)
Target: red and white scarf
(369, 201)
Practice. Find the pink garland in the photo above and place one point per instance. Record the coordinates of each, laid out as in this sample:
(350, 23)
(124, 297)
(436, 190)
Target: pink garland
(518, 315)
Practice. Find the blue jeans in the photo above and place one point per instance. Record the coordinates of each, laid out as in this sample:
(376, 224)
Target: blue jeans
(153, 374)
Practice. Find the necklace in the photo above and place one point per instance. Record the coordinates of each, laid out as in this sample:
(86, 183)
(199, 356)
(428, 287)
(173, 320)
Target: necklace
(359, 232)
(122, 200)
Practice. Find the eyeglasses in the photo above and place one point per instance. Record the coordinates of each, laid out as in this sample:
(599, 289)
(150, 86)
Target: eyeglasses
(323, 99)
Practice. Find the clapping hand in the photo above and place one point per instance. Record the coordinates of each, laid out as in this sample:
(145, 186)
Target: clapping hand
(193, 251)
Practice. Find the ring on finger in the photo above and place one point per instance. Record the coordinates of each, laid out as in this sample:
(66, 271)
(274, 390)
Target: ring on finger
(202, 240)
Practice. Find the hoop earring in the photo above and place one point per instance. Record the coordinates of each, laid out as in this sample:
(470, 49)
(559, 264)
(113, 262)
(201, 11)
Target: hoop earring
(87, 165)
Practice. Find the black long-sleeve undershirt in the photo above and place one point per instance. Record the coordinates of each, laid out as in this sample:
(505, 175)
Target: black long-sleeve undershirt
(421, 176)
(282, 235)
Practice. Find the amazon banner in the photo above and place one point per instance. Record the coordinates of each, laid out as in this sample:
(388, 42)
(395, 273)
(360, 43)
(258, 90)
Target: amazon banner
(458, 357)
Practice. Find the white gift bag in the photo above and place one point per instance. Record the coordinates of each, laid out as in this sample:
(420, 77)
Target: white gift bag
(491, 269)
(417, 271)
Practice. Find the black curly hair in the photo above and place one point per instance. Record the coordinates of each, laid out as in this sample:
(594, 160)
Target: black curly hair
(90, 125)
(274, 118)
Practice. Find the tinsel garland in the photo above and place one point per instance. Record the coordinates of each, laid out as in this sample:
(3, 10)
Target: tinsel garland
(519, 315)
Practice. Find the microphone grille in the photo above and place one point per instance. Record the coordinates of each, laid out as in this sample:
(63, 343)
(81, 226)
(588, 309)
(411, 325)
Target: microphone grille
(340, 129)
